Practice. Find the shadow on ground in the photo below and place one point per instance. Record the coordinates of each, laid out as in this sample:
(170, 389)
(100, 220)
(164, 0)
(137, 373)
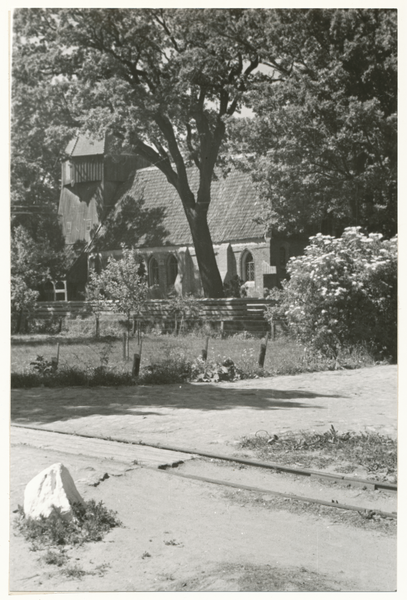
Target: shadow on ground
(45, 405)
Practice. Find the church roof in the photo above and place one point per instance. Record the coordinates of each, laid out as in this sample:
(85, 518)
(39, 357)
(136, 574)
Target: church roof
(82, 145)
(231, 215)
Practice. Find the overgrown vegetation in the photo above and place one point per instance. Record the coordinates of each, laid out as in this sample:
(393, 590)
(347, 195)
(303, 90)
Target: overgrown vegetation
(169, 359)
(89, 523)
(375, 452)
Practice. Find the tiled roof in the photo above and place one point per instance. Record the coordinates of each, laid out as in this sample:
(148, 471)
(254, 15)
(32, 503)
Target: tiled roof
(231, 212)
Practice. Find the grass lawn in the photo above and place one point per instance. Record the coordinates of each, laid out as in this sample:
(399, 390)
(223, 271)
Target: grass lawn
(283, 356)
(164, 359)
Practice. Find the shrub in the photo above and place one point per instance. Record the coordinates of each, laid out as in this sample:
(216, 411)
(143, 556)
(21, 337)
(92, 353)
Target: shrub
(342, 293)
(122, 285)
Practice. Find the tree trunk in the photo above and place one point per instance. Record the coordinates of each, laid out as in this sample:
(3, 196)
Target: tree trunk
(208, 268)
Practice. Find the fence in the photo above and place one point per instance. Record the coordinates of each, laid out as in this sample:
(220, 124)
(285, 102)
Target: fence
(229, 315)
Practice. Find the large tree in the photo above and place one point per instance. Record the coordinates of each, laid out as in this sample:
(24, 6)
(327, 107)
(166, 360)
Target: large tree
(167, 84)
(40, 125)
(164, 82)
(322, 146)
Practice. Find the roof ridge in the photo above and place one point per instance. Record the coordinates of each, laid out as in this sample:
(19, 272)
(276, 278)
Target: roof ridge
(74, 146)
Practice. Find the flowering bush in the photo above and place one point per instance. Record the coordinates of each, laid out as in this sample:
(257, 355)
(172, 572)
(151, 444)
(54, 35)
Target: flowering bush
(342, 292)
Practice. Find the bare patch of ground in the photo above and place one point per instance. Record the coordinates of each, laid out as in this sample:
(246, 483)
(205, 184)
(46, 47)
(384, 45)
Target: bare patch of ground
(178, 534)
(183, 535)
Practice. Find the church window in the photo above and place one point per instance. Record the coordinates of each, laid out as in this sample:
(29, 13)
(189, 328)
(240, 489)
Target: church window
(172, 269)
(248, 267)
(153, 272)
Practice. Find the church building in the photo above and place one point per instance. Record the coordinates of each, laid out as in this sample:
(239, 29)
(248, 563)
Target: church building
(107, 201)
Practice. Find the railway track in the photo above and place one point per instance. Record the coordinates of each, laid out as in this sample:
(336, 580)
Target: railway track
(170, 456)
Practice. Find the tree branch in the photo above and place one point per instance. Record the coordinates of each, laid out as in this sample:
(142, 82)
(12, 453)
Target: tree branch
(182, 186)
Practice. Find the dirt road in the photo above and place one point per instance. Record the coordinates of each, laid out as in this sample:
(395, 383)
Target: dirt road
(215, 416)
(182, 535)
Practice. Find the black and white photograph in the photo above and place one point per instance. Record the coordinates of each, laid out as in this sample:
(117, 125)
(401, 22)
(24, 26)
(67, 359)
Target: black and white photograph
(203, 237)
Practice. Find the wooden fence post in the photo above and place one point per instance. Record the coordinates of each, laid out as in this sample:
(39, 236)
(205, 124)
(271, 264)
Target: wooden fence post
(205, 350)
(55, 360)
(137, 360)
(97, 327)
(263, 348)
(124, 346)
(136, 365)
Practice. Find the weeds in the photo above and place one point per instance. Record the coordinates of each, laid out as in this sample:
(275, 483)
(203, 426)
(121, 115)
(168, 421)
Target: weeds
(89, 523)
(375, 452)
(375, 521)
(74, 572)
(170, 359)
(51, 557)
(42, 366)
(72, 376)
(175, 369)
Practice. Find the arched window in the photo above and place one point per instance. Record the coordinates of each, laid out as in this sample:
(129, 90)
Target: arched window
(282, 257)
(49, 291)
(172, 269)
(248, 267)
(153, 272)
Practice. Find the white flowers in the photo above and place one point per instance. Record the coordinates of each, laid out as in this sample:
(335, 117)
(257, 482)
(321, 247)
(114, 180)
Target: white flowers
(339, 283)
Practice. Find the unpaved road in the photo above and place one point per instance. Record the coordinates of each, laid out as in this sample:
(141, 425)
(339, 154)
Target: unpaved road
(213, 416)
(182, 535)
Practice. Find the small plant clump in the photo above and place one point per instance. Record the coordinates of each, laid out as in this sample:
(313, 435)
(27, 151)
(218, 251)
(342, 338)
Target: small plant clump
(57, 558)
(88, 523)
(42, 366)
(174, 369)
(74, 572)
(375, 452)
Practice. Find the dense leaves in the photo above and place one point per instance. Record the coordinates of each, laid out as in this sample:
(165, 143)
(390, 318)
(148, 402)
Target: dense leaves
(164, 82)
(169, 82)
(40, 127)
(33, 262)
(323, 144)
(121, 285)
(343, 292)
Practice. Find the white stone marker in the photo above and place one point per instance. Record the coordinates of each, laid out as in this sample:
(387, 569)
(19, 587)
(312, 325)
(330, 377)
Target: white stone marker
(52, 487)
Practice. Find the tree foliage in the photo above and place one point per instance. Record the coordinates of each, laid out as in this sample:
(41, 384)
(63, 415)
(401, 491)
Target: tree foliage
(165, 82)
(343, 293)
(30, 267)
(323, 144)
(168, 83)
(121, 286)
(41, 125)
